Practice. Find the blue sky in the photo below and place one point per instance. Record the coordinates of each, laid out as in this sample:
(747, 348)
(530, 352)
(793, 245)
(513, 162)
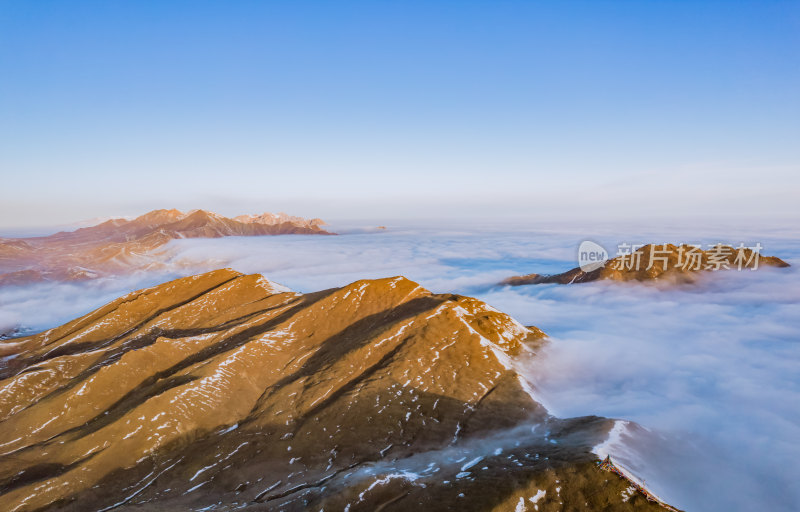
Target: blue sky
(400, 109)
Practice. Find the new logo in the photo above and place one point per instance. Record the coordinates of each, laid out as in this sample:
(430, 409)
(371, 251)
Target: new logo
(591, 256)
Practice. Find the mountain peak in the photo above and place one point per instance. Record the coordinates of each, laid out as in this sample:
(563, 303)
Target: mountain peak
(122, 245)
(660, 262)
(234, 392)
(279, 218)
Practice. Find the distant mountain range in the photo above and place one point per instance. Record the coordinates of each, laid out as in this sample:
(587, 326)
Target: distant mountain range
(225, 391)
(121, 245)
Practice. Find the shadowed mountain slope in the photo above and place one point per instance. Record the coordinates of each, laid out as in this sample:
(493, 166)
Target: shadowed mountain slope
(225, 391)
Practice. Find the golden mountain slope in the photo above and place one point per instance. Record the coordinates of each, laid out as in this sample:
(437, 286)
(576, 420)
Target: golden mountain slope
(223, 391)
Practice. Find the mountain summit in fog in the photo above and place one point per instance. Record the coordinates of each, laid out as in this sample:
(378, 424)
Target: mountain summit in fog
(665, 263)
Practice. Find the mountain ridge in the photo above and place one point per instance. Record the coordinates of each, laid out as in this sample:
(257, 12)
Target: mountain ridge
(123, 245)
(226, 390)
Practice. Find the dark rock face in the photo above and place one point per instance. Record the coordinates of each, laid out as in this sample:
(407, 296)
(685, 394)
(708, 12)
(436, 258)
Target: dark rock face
(224, 391)
(678, 264)
(120, 245)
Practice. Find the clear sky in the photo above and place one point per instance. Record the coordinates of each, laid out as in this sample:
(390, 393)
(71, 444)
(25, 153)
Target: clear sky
(382, 109)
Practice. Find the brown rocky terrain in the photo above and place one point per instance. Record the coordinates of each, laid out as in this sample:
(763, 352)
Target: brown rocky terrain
(224, 391)
(121, 245)
(668, 262)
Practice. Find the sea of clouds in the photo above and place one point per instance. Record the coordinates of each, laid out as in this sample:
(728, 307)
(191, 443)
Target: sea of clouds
(710, 370)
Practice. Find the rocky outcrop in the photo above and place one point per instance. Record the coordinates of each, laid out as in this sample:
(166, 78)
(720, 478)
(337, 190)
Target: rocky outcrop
(224, 391)
(122, 245)
(671, 263)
